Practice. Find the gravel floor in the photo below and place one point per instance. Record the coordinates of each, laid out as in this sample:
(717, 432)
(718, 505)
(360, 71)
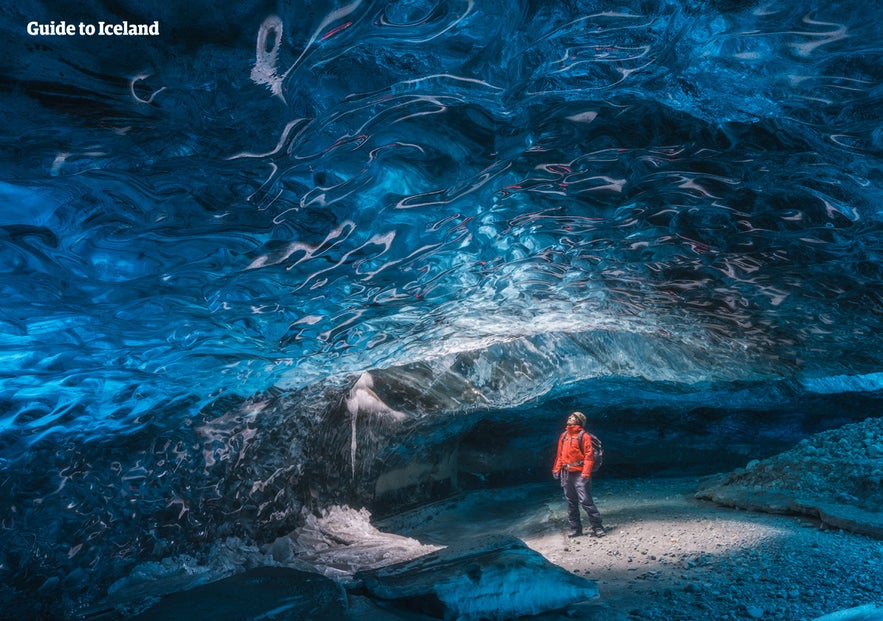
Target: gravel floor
(670, 556)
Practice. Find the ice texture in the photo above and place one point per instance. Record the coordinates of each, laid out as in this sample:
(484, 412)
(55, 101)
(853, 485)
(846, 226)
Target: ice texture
(208, 237)
(272, 593)
(494, 577)
(868, 612)
(341, 542)
(373, 184)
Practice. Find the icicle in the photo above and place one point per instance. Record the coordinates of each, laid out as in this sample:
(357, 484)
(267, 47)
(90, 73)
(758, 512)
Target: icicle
(354, 414)
(363, 399)
(352, 406)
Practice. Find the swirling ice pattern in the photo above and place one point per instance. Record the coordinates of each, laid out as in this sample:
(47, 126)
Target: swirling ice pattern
(289, 197)
(407, 179)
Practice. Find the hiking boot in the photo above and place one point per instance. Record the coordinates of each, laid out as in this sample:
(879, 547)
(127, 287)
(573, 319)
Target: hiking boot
(575, 532)
(598, 531)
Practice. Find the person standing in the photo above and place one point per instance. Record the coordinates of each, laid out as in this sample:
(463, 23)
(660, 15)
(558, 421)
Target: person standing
(573, 468)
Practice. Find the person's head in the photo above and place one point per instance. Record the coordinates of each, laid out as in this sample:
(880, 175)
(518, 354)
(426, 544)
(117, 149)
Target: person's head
(577, 418)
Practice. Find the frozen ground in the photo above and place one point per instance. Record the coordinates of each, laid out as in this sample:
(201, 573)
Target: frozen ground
(670, 556)
(667, 556)
(836, 476)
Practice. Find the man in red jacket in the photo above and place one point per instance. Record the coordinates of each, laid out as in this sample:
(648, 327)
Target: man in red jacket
(573, 467)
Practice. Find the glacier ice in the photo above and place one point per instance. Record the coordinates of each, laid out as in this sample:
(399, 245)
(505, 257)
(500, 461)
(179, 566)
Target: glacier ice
(362, 400)
(417, 194)
(868, 612)
(342, 541)
(870, 382)
(493, 577)
(262, 593)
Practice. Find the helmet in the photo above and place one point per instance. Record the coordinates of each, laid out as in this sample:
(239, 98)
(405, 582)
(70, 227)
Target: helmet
(580, 417)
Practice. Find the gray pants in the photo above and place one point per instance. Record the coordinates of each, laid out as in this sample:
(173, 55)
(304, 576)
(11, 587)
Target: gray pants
(578, 491)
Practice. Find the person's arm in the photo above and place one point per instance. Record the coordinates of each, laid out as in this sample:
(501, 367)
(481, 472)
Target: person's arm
(557, 467)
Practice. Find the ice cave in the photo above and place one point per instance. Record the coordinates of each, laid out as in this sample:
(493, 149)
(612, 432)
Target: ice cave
(298, 295)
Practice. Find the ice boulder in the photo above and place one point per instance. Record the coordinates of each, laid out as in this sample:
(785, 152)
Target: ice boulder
(270, 593)
(868, 612)
(495, 578)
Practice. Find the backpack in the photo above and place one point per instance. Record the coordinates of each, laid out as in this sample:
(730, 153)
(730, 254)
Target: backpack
(597, 448)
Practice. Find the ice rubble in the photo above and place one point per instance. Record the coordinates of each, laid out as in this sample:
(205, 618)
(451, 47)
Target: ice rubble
(491, 577)
(337, 543)
(836, 476)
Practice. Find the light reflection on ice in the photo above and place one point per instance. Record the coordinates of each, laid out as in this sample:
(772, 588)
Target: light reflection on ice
(343, 541)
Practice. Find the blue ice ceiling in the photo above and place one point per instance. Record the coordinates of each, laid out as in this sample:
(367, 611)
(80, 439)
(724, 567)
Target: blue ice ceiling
(275, 195)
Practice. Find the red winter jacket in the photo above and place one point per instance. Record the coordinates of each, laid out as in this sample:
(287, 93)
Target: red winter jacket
(570, 453)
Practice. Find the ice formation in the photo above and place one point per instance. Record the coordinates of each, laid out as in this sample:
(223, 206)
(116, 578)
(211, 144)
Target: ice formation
(362, 400)
(342, 541)
(272, 593)
(494, 578)
(868, 612)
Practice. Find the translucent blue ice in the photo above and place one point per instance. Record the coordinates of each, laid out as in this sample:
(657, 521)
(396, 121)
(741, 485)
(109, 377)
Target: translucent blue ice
(373, 184)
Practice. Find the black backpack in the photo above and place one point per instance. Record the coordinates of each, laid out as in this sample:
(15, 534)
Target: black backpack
(597, 448)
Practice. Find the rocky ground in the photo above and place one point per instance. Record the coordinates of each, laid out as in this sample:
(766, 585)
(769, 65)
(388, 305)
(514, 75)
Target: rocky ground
(670, 556)
(835, 476)
(809, 546)
(666, 555)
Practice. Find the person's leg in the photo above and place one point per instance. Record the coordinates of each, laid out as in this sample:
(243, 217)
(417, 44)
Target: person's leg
(569, 482)
(584, 491)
